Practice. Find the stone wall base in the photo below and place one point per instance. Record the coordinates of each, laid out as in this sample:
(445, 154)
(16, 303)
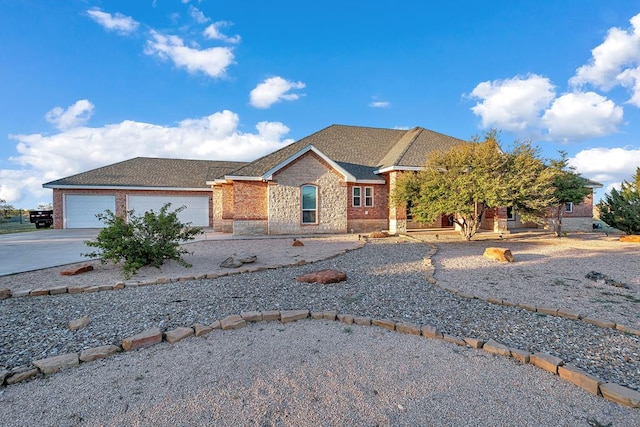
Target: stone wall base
(366, 225)
(569, 225)
(250, 227)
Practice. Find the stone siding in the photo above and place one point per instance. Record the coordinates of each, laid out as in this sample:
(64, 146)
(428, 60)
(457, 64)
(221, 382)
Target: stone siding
(250, 227)
(285, 204)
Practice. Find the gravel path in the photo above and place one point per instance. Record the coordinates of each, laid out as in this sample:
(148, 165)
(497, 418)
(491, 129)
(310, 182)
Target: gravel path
(385, 280)
(307, 373)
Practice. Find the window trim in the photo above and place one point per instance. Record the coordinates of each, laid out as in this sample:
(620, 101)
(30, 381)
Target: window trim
(370, 197)
(570, 206)
(353, 197)
(303, 210)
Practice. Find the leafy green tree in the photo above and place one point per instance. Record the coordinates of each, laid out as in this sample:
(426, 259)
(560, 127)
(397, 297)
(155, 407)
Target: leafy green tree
(138, 241)
(621, 208)
(474, 176)
(5, 210)
(569, 187)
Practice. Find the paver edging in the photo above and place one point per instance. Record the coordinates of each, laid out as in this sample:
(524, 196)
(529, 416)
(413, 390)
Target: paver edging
(629, 396)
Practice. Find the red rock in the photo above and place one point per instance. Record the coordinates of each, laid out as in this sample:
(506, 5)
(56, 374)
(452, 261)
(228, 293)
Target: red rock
(323, 276)
(297, 243)
(631, 238)
(499, 254)
(77, 270)
(143, 339)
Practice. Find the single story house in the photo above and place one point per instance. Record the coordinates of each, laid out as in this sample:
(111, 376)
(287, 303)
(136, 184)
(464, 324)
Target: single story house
(337, 180)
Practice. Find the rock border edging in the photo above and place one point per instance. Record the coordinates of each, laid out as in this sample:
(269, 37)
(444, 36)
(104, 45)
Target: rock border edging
(610, 391)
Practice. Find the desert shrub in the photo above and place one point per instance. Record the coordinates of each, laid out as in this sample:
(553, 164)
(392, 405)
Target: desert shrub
(138, 241)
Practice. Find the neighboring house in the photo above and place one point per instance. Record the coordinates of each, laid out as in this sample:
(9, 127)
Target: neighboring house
(337, 180)
(139, 184)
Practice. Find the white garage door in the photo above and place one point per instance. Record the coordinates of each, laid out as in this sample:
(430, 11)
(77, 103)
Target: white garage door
(80, 210)
(196, 211)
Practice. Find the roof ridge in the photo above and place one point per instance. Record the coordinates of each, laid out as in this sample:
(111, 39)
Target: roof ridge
(402, 145)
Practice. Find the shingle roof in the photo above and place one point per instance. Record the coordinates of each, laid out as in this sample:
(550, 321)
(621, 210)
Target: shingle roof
(359, 150)
(151, 172)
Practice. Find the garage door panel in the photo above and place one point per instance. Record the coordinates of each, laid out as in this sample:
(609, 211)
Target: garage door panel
(196, 207)
(81, 209)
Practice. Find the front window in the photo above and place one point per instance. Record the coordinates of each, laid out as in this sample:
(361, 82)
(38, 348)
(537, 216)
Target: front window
(368, 196)
(511, 215)
(309, 204)
(568, 207)
(357, 197)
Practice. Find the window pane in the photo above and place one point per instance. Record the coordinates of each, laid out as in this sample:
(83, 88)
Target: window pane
(309, 217)
(368, 196)
(356, 196)
(308, 197)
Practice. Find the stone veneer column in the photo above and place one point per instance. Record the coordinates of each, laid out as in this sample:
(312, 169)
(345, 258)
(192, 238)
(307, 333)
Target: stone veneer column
(397, 213)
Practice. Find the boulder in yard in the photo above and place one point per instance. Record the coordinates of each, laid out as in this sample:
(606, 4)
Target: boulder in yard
(77, 270)
(631, 238)
(323, 276)
(499, 254)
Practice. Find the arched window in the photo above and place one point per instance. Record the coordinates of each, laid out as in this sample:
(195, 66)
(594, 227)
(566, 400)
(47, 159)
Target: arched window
(309, 204)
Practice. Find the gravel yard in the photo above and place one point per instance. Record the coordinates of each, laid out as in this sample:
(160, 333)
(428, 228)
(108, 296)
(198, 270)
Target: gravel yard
(386, 281)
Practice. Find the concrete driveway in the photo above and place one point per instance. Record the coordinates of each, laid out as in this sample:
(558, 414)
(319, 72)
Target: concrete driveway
(20, 252)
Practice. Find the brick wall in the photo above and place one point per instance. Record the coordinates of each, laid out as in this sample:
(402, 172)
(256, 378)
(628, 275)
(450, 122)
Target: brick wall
(285, 214)
(368, 218)
(250, 207)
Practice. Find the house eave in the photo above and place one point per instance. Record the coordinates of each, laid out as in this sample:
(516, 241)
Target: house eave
(120, 187)
(398, 168)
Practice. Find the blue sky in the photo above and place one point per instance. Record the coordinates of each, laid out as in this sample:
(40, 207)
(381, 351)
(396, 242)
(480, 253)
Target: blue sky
(86, 83)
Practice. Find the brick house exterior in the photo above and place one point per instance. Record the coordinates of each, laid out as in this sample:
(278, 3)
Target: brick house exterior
(337, 180)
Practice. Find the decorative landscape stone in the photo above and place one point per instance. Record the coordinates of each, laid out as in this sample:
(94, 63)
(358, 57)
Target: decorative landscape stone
(569, 314)
(77, 270)
(362, 321)
(251, 316)
(22, 293)
(520, 355)
(96, 353)
(384, 323)
(330, 315)
(454, 340)
(143, 339)
(599, 322)
(495, 347)
(293, 315)
(5, 293)
(345, 318)
(39, 292)
(232, 322)
(547, 310)
(22, 375)
(429, 331)
(323, 276)
(76, 289)
(499, 254)
(408, 328)
(631, 238)
(580, 378)
(378, 235)
(297, 242)
(619, 394)
(201, 329)
(271, 315)
(177, 334)
(546, 361)
(4, 373)
(80, 323)
(474, 342)
(55, 363)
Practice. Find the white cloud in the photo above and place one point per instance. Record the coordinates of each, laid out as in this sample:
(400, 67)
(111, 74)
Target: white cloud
(615, 62)
(272, 90)
(620, 49)
(43, 158)
(581, 115)
(213, 61)
(213, 32)
(512, 104)
(608, 166)
(118, 22)
(197, 15)
(75, 115)
(379, 104)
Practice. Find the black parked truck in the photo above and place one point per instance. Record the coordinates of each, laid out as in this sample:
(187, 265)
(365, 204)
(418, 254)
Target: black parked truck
(42, 219)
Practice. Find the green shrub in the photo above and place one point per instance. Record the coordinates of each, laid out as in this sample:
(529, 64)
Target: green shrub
(149, 239)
